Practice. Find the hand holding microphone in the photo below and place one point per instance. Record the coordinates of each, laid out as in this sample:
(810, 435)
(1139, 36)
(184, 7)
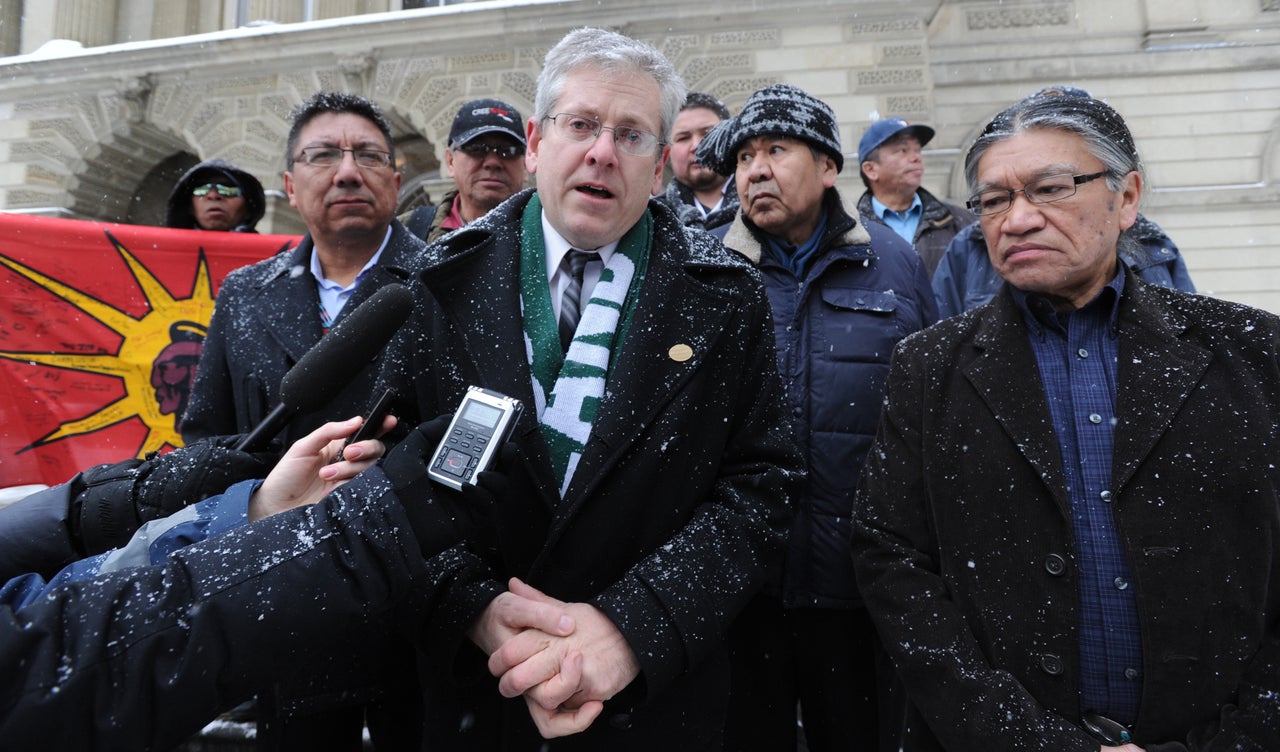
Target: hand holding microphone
(334, 361)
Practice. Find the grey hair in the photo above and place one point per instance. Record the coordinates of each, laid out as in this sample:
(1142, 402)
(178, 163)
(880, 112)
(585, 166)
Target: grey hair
(1101, 128)
(612, 54)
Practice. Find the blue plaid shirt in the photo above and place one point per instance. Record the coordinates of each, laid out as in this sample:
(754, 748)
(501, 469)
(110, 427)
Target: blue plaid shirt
(1077, 352)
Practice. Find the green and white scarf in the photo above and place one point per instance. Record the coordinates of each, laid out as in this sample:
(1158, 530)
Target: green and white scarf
(569, 387)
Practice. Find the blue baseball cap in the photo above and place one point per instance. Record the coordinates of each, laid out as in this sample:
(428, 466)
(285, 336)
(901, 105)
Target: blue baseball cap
(883, 130)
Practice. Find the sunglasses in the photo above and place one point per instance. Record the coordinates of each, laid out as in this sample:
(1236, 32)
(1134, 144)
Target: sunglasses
(480, 151)
(226, 191)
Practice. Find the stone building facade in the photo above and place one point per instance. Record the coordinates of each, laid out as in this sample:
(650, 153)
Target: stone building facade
(104, 102)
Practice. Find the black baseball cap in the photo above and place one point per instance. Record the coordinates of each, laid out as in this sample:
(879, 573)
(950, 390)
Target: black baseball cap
(481, 116)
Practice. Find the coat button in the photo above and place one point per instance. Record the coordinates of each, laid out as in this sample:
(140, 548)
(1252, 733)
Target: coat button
(1051, 664)
(620, 721)
(1055, 565)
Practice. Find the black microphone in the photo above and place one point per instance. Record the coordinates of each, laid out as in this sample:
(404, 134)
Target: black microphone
(334, 361)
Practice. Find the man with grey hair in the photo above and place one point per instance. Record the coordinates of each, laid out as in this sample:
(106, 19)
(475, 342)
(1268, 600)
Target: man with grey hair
(965, 278)
(656, 467)
(1068, 530)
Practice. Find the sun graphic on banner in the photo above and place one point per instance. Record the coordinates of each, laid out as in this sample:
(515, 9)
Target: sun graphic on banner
(163, 337)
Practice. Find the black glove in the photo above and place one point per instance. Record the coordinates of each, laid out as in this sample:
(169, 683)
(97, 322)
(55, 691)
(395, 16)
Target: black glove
(439, 515)
(118, 499)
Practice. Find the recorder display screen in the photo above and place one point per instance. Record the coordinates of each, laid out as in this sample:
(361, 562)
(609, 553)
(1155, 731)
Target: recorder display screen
(481, 414)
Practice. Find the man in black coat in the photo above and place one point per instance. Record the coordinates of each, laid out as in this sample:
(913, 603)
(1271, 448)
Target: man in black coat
(656, 460)
(1068, 530)
(341, 178)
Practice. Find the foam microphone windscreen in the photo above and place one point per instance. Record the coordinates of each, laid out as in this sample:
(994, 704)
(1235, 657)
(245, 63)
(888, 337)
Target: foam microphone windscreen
(335, 360)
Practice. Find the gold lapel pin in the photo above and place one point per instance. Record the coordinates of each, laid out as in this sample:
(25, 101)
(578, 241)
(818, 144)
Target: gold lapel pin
(680, 353)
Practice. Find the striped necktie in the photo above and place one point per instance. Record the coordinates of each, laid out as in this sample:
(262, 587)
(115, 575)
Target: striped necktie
(574, 263)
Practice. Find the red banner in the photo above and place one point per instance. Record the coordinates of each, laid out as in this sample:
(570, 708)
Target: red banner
(100, 328)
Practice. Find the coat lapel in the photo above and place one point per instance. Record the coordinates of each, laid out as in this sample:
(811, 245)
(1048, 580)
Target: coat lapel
(291, 319)
(1002, 368)
(1155, 375)
(390, 269)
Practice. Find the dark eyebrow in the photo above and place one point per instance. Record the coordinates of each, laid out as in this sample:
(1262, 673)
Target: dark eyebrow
(369, 145)
(1045, 172)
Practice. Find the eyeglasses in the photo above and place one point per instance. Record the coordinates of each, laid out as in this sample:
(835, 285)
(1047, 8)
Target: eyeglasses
(226, 191)
(629, 140)
(480, 151)
(1042, 191)
(329, 156)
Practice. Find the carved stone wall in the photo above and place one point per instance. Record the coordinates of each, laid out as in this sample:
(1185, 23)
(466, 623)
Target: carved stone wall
(80, 133)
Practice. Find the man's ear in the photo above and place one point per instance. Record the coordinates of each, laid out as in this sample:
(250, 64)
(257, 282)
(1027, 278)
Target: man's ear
(1130, 198)
(827, 171)
(532, 134)
(870, 169)
(289, 189)
(448, 161)
(657, 176)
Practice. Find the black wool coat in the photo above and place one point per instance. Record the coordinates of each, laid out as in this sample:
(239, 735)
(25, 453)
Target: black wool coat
(680, 504)
(265, 318)
(963, 541)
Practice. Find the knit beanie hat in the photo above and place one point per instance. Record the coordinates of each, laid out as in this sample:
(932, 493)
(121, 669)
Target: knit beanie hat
(777, 110)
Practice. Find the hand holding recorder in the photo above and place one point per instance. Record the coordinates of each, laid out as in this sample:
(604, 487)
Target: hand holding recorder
(447, 461)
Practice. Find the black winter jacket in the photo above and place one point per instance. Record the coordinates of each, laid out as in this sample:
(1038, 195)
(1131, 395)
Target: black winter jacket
(143, 658)
(100, 508)
(677, 512)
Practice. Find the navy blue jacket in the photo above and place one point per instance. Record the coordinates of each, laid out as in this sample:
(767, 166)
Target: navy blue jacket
(966, 279)
(864, 290)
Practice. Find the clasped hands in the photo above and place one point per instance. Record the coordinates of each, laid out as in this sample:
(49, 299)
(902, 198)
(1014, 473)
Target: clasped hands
(566, 659)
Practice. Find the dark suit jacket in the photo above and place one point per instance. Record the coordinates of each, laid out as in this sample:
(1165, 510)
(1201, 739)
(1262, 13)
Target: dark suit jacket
(266, 317)
(963, 539)
(678, 509)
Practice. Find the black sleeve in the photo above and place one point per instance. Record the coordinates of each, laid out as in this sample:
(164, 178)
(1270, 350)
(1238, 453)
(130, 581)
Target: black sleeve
(100, 508)
(35, 533)
(143, 658)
